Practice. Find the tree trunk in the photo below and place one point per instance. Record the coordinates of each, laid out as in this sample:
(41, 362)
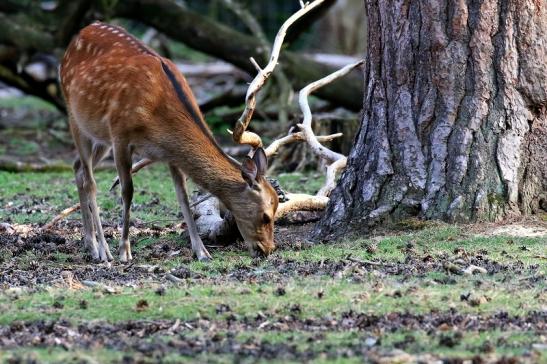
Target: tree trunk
(454, 122)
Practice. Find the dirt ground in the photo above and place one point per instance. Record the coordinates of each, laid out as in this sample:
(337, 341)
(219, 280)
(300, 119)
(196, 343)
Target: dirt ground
(425, 292)
(58, 262)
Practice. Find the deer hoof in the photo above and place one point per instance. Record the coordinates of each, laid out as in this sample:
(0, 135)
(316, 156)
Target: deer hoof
(125, 256)
(204, 256)
(93, 251)
(104, 254)
(125, 251)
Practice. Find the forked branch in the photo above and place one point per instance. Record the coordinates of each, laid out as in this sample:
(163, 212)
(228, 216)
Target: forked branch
(297, 202)
(295, 137)
(240, 135)
(306, 124)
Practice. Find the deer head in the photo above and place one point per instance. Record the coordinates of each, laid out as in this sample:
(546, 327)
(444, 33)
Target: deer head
(254, 208)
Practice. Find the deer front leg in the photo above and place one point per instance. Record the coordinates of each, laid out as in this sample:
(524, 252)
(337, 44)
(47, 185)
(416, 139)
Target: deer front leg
(179, 179)
(122, 157)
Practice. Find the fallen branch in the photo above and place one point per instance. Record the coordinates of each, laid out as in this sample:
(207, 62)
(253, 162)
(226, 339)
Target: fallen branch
(337, 160)
(134, 169)
(211, 37)
(61, 216)
(301, 202)
(240, 135)
(10, 165)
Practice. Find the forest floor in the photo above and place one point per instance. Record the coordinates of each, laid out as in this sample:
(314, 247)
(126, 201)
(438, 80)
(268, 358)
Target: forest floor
(421, 292)
(415, 292)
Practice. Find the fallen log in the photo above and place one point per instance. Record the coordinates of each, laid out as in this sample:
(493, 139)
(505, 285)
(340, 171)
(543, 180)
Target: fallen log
(211, 37)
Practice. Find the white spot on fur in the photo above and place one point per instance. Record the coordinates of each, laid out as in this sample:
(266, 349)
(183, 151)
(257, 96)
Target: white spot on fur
(141, 110)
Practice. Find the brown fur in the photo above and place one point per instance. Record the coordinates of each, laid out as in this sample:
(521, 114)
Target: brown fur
(118, 94)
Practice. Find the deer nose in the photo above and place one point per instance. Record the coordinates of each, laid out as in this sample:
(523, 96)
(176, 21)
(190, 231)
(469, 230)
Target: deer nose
(266, 248)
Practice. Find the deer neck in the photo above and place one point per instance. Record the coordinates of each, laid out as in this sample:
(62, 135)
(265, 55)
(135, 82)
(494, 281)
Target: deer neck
(210, 168)
(222, 177)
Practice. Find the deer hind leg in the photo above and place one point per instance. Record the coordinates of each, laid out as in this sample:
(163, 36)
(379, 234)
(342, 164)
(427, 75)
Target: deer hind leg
(87, 190)
(122, 157)
(179, 179)
(87, 219)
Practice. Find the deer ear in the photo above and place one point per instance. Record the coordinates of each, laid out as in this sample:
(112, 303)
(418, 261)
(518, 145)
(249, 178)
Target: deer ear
(249, 171)
(261, 161)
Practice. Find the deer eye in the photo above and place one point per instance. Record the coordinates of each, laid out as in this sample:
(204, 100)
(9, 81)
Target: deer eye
(266, 219)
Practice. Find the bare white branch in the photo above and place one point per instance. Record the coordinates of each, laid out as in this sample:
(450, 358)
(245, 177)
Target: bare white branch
(330, 181)
(337, 160)
(255, 64)
(317, 148)
(301, 202)
(295, 137)
(258, 82)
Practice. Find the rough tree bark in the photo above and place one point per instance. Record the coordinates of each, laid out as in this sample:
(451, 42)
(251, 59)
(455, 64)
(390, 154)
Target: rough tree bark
(454, 124)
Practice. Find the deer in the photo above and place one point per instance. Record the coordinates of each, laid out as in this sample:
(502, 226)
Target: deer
(123, 96)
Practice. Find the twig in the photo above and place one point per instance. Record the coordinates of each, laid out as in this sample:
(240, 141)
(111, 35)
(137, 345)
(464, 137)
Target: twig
(533, 276)
(61, 216)
(369, 262)
(134, 169)
(295, 137)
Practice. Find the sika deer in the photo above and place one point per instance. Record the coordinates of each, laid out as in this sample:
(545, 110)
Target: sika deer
(122, 95)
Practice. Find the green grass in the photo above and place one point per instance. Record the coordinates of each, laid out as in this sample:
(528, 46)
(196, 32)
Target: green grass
(301, 183)
(154, 200)
(27, 102)
(36, 197)
(372, 293)
(24, 199)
